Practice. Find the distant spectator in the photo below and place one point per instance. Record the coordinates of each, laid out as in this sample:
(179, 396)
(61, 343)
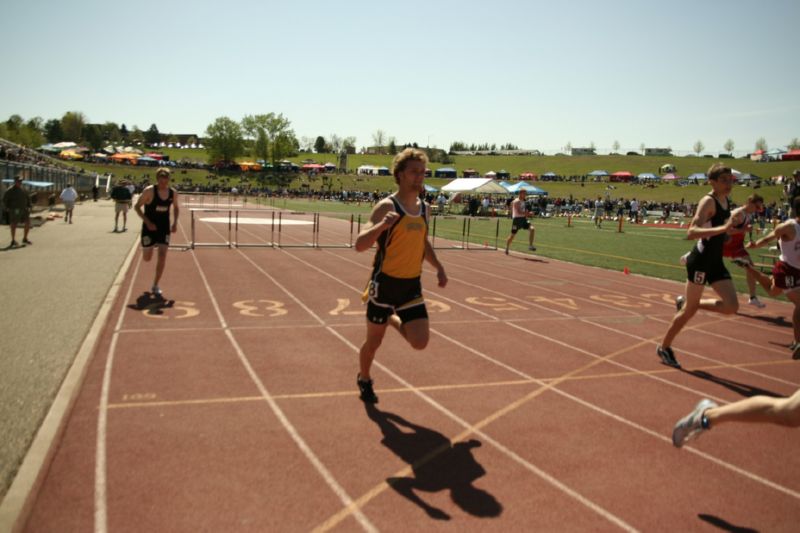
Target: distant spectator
(95, 192)
(17, 202)
(69, 196)
(121, 194)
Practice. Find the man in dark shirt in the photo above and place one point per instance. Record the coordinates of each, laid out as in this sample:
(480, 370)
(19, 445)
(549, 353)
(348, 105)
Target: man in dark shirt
(18, 203)
(122, 197)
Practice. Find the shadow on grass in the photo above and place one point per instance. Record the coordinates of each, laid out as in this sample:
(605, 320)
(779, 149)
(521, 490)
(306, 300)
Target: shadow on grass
(437, 464)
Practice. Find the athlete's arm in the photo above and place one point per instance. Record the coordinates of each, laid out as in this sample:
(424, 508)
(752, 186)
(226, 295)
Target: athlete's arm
(144, 199)
(175, 211)
(783, 231)
(383, 216)
(705, 212)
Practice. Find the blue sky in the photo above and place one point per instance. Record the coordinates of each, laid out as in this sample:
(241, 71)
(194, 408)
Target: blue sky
(534, 73)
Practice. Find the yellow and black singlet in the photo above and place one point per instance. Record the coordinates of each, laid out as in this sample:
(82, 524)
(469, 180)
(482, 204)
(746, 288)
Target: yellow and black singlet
(401, 248)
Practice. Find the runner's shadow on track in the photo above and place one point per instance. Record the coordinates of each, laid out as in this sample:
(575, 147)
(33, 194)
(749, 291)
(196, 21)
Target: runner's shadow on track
(774, 320)
(532, 259)
(438, 465)
(741, 389)
(726, 526)
(154, 305)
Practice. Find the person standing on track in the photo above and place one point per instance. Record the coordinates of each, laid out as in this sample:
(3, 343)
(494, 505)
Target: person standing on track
(757, 409)
(153, 207)
(399, 225)
(711, 223)
(519, 220)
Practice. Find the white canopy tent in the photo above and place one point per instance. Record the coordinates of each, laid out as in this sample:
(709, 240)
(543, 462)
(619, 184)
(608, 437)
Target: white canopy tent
(474, 185)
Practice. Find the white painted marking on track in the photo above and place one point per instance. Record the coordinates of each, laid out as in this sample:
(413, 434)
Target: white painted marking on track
(256, 221)
(323, 471)
(100, 468)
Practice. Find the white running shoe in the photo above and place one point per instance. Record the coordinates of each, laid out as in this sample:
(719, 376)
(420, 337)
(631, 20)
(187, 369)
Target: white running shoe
(690, 426)
(758, 303)
(680, 301)
(156, 291)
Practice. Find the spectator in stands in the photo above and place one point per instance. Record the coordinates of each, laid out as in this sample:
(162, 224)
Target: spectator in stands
(792, 191)
(17, 202)
(121, 194)
(69, 196)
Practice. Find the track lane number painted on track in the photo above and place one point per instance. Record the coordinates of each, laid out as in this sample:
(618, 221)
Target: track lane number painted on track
(159, 310)
(343, 307)
(261, 308)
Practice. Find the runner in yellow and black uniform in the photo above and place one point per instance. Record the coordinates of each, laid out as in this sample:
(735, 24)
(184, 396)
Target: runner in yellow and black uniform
(395, 285)
(399, 225)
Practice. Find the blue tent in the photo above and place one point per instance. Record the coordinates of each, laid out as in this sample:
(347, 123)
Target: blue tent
(697, 176)
(530, 189)
(548, 175)
(647, 176)
(34, 184)
(598, 173)
(445, 172)
(505, 184)
(430, 188)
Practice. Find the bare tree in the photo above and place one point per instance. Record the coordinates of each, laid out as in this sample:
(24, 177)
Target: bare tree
(698, 147)
(794, 144)
(568, 147)
(615, 146)
(761, 144)
(729, 146)
(379, 139)
(335, 143)
(641, 148)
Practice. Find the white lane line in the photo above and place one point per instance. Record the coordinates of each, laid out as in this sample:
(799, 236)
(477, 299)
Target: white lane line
(290, 429)
(718, 461)
(100, 466)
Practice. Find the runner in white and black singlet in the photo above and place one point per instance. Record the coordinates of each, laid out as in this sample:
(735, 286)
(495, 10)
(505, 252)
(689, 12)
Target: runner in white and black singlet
(154, 207)
(711, 223)
(786, 271)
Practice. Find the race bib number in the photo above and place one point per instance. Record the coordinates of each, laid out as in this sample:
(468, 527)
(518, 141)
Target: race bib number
(700, 278)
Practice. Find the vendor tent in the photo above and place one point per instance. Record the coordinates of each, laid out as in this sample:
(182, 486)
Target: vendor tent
(471, 173)
(598, 173)
(430, 188)
(445, 172)
(503, 174)
(666, 168)
(621, 175)
(530, 189)
(528, 176)
(644, 176)
(475, 185)
(670, 177)
(697, 176)
(491, 174)
(791, 155)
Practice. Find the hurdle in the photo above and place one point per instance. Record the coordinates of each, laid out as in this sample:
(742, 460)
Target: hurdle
(238, 244)
(194, 244)
(467, 240)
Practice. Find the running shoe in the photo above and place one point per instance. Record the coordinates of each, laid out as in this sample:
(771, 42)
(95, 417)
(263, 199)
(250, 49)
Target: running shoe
(506, 250)
(680, 301)
(532, 248)
(756, 302)
(26, 241)
(13, 244)
(690, 426)
(365, 387)
(667, 356)
(156, 291)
